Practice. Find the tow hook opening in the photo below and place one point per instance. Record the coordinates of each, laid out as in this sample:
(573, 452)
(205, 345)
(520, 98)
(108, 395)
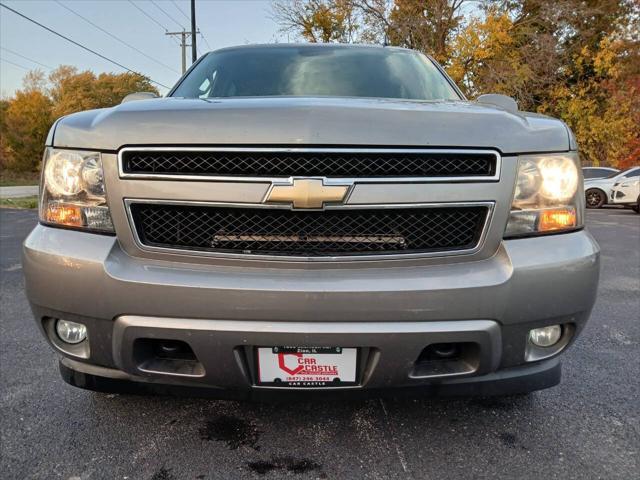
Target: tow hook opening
(167, 357)
(446, 359)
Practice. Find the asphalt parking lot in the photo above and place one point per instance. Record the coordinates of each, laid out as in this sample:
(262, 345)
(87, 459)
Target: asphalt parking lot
(588, 427)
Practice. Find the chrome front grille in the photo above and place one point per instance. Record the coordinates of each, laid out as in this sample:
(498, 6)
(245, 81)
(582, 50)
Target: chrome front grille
(317, 233)
(211, 220)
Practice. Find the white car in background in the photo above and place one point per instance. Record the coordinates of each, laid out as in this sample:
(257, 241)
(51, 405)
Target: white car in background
(627, 192)
(597, 190)
(598, 172)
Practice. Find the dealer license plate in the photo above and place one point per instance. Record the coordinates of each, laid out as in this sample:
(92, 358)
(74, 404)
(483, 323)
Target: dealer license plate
(307, 366)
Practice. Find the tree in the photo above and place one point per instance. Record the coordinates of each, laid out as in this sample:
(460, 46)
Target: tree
(5, 151)
(318, 20)
(27, 117)
(73, 91)
(25, 126)
(578, 60)
(111, 88)
(592, 82)
(427, 26)
(485, 57)
(601, 104)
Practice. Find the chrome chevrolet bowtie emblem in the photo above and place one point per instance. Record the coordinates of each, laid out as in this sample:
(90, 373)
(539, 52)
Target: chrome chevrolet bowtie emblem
(307, 193)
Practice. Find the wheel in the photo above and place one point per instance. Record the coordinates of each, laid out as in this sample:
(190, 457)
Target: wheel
(595, 198)
(636, 207)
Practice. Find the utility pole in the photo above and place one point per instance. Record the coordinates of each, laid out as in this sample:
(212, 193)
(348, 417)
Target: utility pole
(194, 50)
(183, 43)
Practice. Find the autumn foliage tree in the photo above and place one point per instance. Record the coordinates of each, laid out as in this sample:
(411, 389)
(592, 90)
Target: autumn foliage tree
(27, 117)
(25, 124)
(319, 20)
(422, 25)
(73, 91)
(578, 60)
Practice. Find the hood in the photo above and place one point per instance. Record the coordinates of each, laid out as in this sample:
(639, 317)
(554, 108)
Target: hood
(310, 121)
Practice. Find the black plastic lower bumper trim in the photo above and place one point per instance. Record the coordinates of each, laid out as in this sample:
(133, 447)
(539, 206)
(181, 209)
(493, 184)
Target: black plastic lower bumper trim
(511, 381)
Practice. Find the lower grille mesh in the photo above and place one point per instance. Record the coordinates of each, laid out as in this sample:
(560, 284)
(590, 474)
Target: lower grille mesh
(263, 231)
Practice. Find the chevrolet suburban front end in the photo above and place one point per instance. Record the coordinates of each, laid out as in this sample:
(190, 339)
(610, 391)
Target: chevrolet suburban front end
(301, 218)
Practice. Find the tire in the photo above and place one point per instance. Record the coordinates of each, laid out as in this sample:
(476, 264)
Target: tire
(636, 207)
(595, 198)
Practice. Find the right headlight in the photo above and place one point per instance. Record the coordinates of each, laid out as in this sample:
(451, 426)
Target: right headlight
(548, 197)
(72, 191)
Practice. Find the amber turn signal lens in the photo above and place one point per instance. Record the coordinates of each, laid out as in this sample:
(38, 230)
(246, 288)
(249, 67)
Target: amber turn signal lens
(556, 219)
(64, 214)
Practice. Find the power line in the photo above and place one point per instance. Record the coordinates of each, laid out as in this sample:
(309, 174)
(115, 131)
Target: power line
(26, 58)
(80, 45)
(188, 19)
(205, 41)
(183, 44)
(148, 16)
(15, 64)
(164, 11)
(114, 37)
(151, 18)
(180, 10)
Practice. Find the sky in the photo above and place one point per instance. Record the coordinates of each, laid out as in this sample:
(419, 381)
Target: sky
(222, 22)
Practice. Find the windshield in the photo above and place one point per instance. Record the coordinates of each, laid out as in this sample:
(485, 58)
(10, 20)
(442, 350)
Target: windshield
(316, 71)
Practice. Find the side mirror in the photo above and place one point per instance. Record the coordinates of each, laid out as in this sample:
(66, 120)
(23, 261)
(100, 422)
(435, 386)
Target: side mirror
(138, 96)
(498, 100)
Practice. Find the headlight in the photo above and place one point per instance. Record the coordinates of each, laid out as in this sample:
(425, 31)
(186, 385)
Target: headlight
(72, 193)
(548, 195)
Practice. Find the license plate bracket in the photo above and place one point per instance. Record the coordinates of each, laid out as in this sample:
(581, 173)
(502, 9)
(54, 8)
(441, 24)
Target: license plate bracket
(307, 367)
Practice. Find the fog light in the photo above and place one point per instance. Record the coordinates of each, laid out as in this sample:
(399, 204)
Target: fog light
(71, 332)
(545, 336)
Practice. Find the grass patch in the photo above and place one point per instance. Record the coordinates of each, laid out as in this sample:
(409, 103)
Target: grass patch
(25, 202)
(13, 179)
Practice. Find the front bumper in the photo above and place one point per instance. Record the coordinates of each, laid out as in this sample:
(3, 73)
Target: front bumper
(507, 381)
(392, 313)
(619, 197)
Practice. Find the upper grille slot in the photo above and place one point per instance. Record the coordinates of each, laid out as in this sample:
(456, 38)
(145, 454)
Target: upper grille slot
(269, 163)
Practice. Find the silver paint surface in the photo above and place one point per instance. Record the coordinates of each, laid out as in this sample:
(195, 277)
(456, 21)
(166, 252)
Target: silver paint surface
(308, 121)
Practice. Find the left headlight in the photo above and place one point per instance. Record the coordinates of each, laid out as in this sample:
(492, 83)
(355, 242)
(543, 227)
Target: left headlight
(72, 192)
(548, 195)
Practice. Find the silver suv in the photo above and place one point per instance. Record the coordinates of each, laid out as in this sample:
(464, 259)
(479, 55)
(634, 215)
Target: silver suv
(293, 218)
